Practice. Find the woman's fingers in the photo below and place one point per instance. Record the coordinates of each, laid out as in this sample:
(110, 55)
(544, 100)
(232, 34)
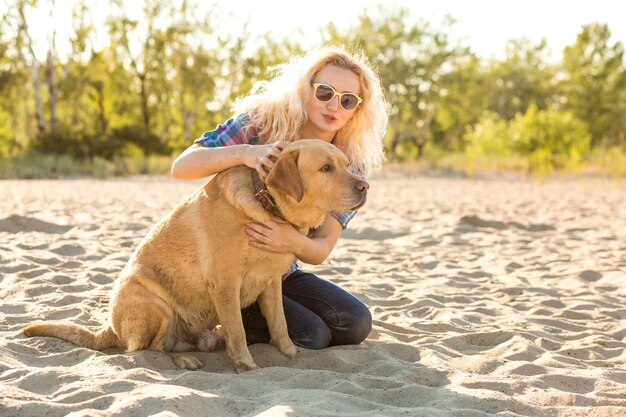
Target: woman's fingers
(266, 161)
(263, 166)
(281, 144)
(274, 152)
(256, 235)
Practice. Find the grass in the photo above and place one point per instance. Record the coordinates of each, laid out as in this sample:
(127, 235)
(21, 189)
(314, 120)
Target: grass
(36, 166)
(601, 163)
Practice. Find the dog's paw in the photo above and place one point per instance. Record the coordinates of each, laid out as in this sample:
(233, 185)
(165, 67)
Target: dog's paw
(187, 362)
(286, 347)
(289, 350)
(209, 341)
(245, 366)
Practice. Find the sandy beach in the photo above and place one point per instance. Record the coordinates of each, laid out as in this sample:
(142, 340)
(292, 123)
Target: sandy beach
(490, 297)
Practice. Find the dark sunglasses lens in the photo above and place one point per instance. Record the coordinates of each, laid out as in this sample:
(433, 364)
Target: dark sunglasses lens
(324, 93)
(349, 101)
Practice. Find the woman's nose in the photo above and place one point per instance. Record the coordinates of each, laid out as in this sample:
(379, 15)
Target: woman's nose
(333, 103)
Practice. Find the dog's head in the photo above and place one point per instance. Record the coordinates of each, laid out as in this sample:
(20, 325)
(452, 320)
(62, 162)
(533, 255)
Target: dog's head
(312, 175)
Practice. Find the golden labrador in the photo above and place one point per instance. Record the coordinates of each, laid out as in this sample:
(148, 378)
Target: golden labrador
(196, 268)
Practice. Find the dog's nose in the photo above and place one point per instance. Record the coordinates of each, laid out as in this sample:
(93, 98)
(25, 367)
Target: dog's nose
(362, 185)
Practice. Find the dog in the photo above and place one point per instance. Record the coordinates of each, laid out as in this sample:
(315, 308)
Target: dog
(195, 268)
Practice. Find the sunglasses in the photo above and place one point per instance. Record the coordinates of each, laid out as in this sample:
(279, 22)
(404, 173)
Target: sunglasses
(325, 93)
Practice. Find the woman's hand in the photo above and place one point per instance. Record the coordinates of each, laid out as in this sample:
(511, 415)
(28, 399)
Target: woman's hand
(263, 157)
(274, 235)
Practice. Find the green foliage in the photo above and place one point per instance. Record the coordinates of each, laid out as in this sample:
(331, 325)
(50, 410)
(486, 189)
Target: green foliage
(124, 141)
(490, 136)
(37, 166)
(7, 140)
(522, 79)
(549, 139)
(594, 83)
(611, 161)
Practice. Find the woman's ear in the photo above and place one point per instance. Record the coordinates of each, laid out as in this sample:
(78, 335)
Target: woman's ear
(285, 177)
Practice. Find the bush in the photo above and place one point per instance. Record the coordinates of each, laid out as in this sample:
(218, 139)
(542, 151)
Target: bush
(552, 139)
(125, 141)
(548, 139)
(490, 136)
(61, 142)
(149, 143)
(37, 166)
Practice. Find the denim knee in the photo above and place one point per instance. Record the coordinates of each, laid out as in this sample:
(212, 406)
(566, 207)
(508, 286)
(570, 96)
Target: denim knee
(355, 326)
(315, 337)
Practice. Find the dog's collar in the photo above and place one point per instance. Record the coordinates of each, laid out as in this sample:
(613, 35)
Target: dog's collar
(263, 196)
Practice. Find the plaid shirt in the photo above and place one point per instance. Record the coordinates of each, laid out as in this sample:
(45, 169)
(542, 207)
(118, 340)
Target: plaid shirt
(233, 133)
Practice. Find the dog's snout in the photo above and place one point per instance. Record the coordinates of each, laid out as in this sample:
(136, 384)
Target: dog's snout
(362, 185)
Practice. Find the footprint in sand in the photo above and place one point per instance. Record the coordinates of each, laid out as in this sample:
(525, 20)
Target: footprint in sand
(476, 221)
(369, 233)
(589, 275)
(68, 250)
(17, 224)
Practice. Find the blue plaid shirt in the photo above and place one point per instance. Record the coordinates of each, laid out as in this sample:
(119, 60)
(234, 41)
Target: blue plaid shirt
(233, 133)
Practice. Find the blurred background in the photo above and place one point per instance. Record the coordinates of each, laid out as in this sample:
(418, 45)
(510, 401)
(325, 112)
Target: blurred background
(122, 87)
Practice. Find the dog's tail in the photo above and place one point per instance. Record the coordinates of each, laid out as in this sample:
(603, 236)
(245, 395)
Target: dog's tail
(74, 333)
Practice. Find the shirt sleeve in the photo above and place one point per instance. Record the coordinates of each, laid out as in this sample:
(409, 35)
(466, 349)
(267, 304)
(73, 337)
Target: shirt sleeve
(344, 218)
(230, 133)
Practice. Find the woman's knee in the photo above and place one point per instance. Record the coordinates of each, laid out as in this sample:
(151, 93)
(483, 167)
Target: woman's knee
(362, 325)
(356, 325)
(315, 336)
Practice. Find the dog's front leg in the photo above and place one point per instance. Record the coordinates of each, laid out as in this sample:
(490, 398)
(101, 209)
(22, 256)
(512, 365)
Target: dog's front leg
(228, 308)
(271, 303)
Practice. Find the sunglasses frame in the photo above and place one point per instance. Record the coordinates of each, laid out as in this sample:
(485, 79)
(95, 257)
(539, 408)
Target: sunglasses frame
(335, 94)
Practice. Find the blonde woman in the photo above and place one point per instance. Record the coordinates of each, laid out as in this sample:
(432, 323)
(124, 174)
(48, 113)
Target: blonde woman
(327, 94)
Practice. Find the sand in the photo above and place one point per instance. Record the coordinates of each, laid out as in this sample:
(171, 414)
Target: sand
(490, 297)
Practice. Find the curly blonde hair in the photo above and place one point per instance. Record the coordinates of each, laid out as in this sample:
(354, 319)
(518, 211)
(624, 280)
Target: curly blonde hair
(277, 107)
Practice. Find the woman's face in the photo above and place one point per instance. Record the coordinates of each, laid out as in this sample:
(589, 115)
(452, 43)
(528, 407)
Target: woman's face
(325, 119)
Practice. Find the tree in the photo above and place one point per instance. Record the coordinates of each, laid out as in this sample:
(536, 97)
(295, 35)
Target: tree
(410, 58)
(594, 82)
(521, 79)
(463, 101)
(25, 41)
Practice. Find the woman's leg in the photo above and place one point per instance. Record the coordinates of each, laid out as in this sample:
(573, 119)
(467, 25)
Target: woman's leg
(319, 314)
(306, 329)
(348, 319)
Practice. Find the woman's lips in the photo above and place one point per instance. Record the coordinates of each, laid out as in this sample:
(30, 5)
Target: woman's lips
(329, 118)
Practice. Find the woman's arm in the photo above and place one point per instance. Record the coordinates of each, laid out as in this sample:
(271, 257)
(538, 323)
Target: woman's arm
(279, 236)
(199, 161)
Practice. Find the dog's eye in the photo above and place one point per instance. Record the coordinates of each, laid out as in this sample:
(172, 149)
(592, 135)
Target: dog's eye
(327, 168)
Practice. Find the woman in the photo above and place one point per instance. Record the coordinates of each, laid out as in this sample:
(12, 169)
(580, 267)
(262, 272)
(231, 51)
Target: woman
(327, 94)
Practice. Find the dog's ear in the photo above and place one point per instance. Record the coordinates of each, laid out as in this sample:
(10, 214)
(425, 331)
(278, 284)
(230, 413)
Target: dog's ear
(285, 177)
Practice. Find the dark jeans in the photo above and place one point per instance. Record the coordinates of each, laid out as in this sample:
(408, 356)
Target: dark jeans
(319, 314)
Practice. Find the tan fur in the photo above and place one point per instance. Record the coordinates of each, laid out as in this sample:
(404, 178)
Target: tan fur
(196, 267)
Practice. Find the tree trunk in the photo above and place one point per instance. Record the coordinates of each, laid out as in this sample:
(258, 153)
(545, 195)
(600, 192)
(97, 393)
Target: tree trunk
(103, 124)
(33, 67)
(420, 139)
(420, 143)
(145, 111)
(34, 71)
(394, 143)
(52, 88)
(51, 77)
